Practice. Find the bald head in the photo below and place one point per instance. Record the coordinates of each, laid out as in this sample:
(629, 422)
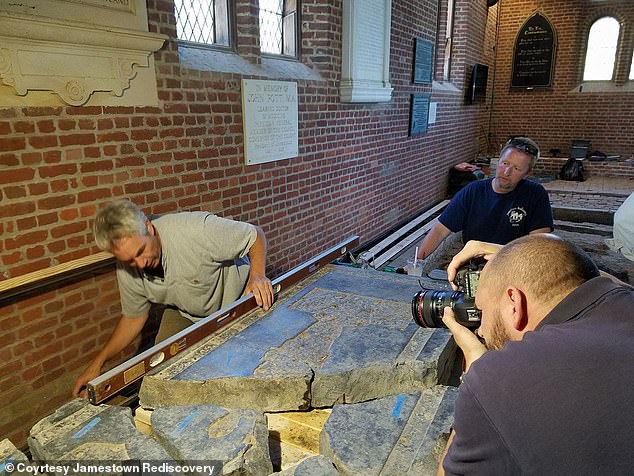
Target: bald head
(546, 267)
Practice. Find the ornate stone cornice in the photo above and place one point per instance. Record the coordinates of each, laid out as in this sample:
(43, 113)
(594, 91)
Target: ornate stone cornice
(70, 59)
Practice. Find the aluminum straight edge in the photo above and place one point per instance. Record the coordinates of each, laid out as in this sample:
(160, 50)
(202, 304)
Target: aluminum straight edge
(369, 255)
(124, 374)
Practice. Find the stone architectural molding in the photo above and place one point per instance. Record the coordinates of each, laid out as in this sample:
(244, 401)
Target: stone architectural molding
(73, 60)
(365, 65)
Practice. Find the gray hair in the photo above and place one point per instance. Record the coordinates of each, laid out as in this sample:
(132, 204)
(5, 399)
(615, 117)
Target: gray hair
(525, 145)
(118, 220)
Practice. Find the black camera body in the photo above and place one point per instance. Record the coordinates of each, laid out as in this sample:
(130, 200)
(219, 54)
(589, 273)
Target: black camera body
(428, 304)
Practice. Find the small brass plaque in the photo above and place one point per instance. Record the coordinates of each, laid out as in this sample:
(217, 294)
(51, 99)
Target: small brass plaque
(134, 372)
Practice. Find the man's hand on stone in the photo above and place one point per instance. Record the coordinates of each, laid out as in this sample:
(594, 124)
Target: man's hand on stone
(471, 346)
(262, 290)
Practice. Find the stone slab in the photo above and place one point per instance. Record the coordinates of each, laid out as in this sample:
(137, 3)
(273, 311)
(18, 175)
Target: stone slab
(83, 432)
(10, 459)
(403, 434)
(194, 433)
(315, 466)
(343, 335)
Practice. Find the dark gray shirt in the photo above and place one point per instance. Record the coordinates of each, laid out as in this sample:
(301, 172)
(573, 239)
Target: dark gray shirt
(559, 402)
(205, 264)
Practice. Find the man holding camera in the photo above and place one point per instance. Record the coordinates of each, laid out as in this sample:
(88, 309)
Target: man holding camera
(500, 209)
(550, 390)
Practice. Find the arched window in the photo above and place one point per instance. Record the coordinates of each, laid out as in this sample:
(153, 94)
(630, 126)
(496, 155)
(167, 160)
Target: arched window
(632, 67)
(601, 51)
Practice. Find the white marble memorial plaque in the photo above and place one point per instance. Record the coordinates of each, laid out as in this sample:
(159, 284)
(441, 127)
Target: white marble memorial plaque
(270, 120)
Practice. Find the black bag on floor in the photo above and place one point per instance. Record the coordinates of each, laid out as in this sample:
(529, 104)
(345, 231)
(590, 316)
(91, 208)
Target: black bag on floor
(572, 170)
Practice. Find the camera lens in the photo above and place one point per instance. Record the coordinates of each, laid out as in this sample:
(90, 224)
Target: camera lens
(428, 307)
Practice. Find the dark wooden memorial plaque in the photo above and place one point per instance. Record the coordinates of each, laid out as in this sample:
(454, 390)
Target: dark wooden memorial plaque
(423, 61)
(534, 53)
(419, 114)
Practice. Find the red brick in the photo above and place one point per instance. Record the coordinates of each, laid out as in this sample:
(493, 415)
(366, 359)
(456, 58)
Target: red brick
(68, 229)
(8, 160)
(38, 188)
(46, 126)
(77, 139)
(31, 158)
(56, 246)
(5, 128)
(32, 373)
(15, 192)
(66, 124)
(33, 314)
(26, 223)
(12, 143)
(16, 175)
(29, 267)
(46, 219)
(13, 258)
(52, 156)
(43, 142)
(55, 203)
(84, 111)
(56, 170)
(25, 239)
(96, 166)
(87, 125)
(94, 195)
(24, 127)
(17, 209)
(117, 136)
(41, 111)
(58, 186)
(35, 252)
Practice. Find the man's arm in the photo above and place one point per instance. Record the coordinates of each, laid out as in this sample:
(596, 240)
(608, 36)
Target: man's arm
(126, 331)
(432, 240)
(258, 283)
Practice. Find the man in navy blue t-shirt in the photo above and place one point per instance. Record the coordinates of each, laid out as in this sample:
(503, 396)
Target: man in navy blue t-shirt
(500, 209)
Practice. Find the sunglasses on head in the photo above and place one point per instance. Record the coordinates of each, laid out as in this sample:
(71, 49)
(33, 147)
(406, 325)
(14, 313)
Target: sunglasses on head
(521, 144)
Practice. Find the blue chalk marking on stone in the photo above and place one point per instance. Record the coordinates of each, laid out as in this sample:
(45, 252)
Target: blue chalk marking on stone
(242, 354)
(398, 406)
(87, 428)
(3, 465)
(183, 424)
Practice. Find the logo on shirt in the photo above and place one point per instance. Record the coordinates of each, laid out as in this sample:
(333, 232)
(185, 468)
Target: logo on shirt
(516, 215)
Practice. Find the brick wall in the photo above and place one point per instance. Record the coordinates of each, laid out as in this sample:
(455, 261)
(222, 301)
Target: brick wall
(557, 115)
(552, 166)
(358, 172)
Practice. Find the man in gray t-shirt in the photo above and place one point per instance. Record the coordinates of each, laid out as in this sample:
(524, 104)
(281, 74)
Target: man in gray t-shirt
(193, 262)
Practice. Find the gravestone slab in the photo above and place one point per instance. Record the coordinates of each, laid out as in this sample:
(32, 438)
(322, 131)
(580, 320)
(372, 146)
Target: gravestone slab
(80, 431)
(237, 438)
(403, 434)
(10, 459)
(343, 335)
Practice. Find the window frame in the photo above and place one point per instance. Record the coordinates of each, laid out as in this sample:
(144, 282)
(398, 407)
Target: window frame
(287, 31)
(227, 30)
(616, 49)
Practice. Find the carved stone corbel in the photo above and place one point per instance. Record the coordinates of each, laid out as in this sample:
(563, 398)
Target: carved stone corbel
(72, 60)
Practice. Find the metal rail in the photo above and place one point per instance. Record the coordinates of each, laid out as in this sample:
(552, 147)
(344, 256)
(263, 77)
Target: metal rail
(113, 381)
